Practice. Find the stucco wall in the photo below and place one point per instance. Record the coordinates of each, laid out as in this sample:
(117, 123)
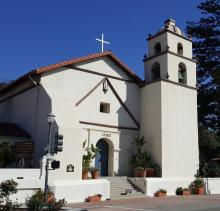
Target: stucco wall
(73, 86)
(169, 122)
(29, 110)
(151, 126)
(58, 93)
(179, 131)
(162, 39)
(173, 41)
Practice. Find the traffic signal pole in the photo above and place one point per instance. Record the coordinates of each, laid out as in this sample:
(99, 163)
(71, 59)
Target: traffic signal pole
(47, 165)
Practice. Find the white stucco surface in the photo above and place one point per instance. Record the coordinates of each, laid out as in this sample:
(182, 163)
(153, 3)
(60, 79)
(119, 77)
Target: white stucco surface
(29, 180)
(169, 122)
(79, 190)
(150, 185)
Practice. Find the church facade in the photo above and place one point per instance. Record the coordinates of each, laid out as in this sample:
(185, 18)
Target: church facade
(99, 99)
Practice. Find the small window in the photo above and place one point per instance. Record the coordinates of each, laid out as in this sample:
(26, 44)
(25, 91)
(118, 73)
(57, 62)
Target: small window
(180, 48)
(104, 108)
(157, 48)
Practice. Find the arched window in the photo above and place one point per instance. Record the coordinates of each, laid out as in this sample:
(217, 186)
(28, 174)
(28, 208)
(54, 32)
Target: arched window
(180, 48)
(157, 48)
(182, 73)
(155, 71)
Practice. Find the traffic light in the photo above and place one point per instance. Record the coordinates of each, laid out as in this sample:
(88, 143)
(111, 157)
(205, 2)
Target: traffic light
(58, 144)
(55, 164)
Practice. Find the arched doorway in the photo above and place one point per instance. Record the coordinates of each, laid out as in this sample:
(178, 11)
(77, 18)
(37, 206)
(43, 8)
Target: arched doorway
(101, 160)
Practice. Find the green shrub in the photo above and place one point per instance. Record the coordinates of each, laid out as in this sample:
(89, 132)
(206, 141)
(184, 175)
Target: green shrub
(179, 191)
(37, 203)
(55, 205)
(7, 188)
(7, 154)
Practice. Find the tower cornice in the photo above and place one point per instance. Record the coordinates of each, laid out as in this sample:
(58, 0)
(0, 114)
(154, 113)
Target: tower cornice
(169, 81)
(166, 30)
(170, 52)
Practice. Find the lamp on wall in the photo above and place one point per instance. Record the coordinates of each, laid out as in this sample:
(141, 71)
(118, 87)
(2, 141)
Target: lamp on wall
(105, 86)
(51, 118)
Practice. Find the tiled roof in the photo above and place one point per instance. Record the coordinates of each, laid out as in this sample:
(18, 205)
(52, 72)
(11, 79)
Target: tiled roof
(11, 129)
(52, 67)
(89, 57)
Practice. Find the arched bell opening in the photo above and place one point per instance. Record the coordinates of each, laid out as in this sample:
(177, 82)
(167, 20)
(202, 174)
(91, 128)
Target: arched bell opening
(180, 48)
(155, 71)
(157, 48)
(182, 74)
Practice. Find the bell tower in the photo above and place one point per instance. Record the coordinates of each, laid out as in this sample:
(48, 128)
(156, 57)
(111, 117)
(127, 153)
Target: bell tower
(169, 102)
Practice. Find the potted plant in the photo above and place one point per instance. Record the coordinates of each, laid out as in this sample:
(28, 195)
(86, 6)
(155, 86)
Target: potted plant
(179, 191)
(152, 169)
(160, 193)
(186, 192)
(139, 159)
(95, 198)
(182, 191)
(198, 186)
(94, 173)
(50, 196)
(90, 154)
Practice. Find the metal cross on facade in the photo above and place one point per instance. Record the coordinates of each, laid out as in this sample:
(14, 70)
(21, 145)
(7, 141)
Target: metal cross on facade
(102, 41)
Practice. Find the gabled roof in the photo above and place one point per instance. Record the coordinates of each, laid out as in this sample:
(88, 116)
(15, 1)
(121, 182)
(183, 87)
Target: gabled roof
(124, 67)
(11, 129)
(52, 67)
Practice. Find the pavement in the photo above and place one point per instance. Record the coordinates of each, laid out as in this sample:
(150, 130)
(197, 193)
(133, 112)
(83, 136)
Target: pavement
(174, 203)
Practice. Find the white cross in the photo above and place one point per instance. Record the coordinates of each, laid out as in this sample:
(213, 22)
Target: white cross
(102, 41)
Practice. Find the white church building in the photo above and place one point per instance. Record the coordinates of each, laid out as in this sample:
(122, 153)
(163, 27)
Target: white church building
(99, 99)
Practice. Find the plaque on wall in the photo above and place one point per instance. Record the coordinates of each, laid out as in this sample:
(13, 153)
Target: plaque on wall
(70, 168)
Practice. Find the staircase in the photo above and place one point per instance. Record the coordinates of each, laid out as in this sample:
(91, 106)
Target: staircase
(121, 187)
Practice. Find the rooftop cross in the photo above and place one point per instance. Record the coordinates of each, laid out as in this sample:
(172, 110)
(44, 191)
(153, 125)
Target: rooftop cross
(102, 41)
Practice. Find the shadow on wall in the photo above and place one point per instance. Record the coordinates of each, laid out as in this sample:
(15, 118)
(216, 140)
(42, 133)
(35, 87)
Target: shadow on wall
(44, 107)
(29, 110)
(127, 136)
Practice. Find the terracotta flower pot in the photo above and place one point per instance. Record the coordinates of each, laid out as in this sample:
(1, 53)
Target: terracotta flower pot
(96, 198)
(199, 190)
(150, 172)
(50, 197)
(84, 175)
(95, 174)
(139, 172)
(160, 194)
(186, 193)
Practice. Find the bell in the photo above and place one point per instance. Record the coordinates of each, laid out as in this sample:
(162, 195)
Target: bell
(180, 75)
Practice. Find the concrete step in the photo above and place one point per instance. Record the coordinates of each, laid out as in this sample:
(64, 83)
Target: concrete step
(119, 185)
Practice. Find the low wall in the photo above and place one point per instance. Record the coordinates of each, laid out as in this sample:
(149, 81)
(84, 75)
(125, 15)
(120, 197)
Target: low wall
(79, 190)
(150, 185)
(212, 185)
(29, 180)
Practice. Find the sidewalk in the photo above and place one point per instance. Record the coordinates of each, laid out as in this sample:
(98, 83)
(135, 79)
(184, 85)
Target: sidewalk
(174, 203)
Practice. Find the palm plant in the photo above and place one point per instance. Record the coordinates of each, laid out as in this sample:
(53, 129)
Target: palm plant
(90, 154)
(141, 157)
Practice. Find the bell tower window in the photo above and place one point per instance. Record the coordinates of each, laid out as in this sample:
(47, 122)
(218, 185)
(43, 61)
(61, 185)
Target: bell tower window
(157, 48)
(180, 48)
(182, 77)
(155, 71)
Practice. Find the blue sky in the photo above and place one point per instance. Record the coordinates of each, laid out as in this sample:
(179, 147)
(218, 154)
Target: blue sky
(42, 32)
